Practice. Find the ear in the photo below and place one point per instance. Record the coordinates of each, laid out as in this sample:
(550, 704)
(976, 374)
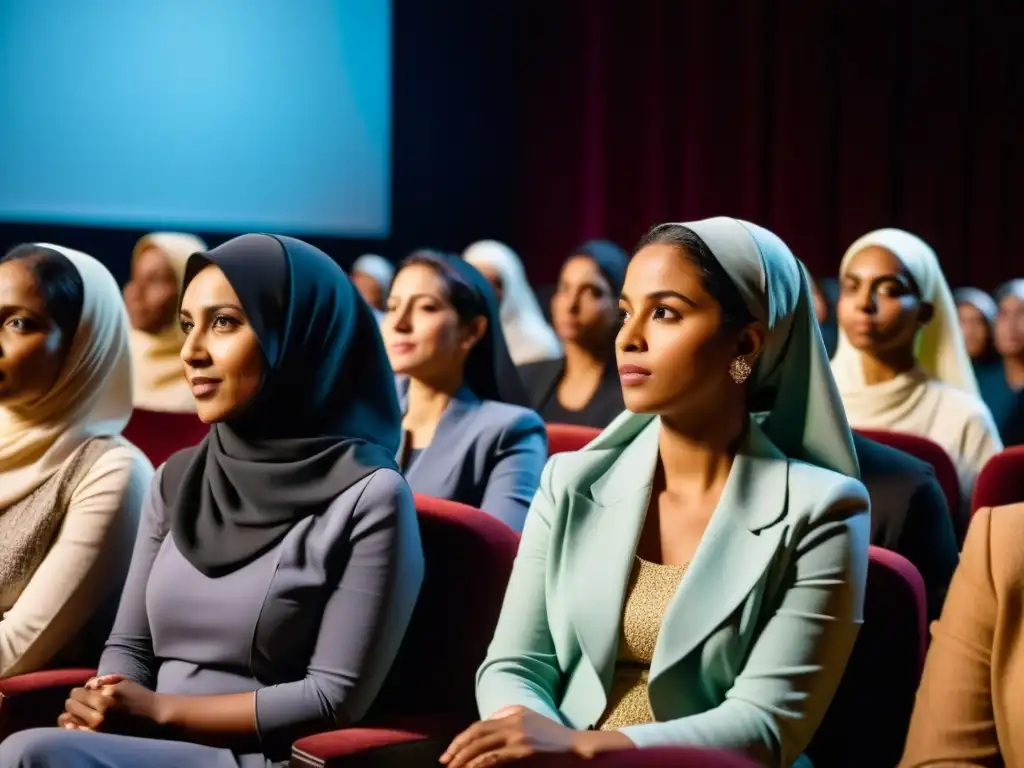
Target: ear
(473, 331)
(750, 341)
(925, 313)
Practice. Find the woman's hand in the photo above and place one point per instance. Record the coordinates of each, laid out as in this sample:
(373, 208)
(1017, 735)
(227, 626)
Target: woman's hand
(521, 733)
(112, 704)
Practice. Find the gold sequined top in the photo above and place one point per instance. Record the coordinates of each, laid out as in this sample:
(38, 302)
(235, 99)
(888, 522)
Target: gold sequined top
(651, 587)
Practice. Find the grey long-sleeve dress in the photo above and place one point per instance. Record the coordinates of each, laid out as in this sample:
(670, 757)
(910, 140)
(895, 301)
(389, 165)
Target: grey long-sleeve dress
(312, 626)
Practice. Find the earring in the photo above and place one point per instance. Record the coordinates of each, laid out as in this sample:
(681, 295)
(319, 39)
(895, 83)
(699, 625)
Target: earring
(740, 370)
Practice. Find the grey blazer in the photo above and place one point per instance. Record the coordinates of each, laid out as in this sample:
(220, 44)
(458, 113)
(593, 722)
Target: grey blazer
(484, 453)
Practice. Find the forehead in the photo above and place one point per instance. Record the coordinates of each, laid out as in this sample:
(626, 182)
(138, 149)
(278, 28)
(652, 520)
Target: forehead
(18, 286)
(210, 286)
(1011, 304)
(418, 279)
(875, 261)
(151, 260)
(664, 267)
(582, 269)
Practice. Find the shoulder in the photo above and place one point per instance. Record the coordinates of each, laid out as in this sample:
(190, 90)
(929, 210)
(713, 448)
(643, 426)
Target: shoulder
(381, 495)
(995, 542)
(816, 492)
(537, 372)
(509, 421)
(961, 406)
(877, 460)
(121, 469)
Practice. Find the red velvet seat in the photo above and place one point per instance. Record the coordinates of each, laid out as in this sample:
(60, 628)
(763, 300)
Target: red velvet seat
(429, 692)
(866, 725)
(158, 434)
(1001, 481)
(563, 438)
(927, 451)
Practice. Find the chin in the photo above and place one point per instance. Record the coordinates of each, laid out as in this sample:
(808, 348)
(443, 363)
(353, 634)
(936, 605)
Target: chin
(209, 413)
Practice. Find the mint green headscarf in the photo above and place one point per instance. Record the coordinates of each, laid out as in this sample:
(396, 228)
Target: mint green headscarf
(805, 420)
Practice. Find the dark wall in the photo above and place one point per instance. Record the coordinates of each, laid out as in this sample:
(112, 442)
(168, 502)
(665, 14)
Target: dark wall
(455, 119)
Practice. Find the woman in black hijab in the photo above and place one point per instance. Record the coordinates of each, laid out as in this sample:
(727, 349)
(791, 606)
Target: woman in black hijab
(277, 603)
(583, 387)
(467, 435)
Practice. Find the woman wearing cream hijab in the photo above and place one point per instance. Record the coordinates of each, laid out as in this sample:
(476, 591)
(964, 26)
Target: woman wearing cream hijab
(695, 576)
(158, 265)
(530, 338)
(901, 363)
(70, 487)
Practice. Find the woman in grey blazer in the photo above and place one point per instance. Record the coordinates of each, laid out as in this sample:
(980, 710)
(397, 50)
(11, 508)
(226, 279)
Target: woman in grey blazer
(277, 562)
(467, 435)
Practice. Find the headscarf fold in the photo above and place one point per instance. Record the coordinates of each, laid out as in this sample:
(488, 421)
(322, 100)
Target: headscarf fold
(981, 301)
(326, 415)
(1011, 288)
(92, 396)
(489, 371)
(529, 337)
(939, 347)
(158, 379)
(803, 413)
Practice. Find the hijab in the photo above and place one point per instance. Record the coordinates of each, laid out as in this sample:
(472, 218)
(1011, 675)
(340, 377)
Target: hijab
(981, 301)
(610, 260)
(158, 379)
(91, 398)
(377, 267)
(939, 347)
(489, 372)
(803, 414)
(1013, 287)
(528, 335)
(326, 415)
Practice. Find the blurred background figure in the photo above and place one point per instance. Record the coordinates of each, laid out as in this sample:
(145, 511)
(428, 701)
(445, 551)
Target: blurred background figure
(1002, 381)
(372, 275)
(151, 297)
(977, 312)
(825, 293)
(527, 333)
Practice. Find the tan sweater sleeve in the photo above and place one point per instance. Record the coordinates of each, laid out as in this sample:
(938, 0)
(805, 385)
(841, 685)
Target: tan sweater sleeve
(87, 561)
(953, 722)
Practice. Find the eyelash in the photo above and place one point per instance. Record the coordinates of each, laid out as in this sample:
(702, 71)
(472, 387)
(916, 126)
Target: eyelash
(188, 325)
(26, 324)
(624, 315)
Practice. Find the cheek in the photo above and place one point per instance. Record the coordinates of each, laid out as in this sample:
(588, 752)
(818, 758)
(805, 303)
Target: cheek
(238, 360)
(36, 361)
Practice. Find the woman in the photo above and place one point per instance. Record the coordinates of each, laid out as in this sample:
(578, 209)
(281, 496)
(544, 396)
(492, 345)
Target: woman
(583, 387)
(151, 296)
(278, 561)
(977, 313)
(466, 435)
(696, 575)
(528, 334)
(901, 364)
(1002, 380)
(970, 706)
(371, 275)
(70, 486)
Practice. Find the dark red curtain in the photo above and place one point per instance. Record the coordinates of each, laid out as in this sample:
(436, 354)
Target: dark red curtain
(820, 119)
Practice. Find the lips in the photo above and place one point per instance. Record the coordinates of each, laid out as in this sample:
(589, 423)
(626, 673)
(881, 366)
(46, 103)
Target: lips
(203, 386)
(632, 375)
(401, 347)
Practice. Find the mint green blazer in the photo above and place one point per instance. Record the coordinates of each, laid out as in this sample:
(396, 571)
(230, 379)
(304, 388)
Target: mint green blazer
(756, 638)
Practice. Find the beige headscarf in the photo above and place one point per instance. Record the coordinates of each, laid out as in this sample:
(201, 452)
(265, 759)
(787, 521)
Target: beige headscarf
(939, 348)
(92, 396)
(158, 380)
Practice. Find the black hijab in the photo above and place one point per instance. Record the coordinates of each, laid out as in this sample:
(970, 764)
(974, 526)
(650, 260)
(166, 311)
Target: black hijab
(325, 417)
(610, 260)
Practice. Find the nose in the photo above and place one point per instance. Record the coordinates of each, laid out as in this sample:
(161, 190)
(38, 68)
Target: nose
(402, 319)
(631, 336)
(193, 352)
(865, 299)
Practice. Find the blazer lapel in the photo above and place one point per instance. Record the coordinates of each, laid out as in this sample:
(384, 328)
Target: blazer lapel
(446, 434)
(605, 527)
(736, 550)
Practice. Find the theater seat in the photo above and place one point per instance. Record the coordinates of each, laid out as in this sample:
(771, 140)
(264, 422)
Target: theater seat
(36, 700)
(866, 724)
(563, 438)
(429, 695)
(158, 434)
(929, 452)
(1001, 481)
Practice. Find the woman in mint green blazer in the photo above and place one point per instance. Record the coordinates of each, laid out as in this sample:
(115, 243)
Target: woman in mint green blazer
(695, 576)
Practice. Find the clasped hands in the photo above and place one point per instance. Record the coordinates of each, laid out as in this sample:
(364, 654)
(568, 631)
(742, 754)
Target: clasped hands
(516, 732)
(112, 704)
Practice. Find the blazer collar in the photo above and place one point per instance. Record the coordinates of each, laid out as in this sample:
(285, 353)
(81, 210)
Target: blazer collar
(461, 404)
(607, 519)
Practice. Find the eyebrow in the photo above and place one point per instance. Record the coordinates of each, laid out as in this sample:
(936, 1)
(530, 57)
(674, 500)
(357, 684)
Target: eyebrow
(215, 308)
(666, 294)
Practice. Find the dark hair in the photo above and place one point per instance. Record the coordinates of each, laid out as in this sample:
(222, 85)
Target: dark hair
(59, 283)
(714, 278)
(489, 371)
(611, 261)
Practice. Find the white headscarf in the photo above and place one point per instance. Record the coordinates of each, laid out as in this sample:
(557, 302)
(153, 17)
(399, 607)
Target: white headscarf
(939, 348)
(805, 420)
(529, 337)
(92, 396)
(981, 301)
(158, 375)
(377, 267)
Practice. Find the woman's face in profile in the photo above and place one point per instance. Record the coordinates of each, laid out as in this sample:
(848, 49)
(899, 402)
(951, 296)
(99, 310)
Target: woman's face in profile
(672, 351)
(223, 361)
(422, 332)
(32, 347)
(975, 329)
(583, 307)
(151, 296)
(879, 309)
(1009, 335)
